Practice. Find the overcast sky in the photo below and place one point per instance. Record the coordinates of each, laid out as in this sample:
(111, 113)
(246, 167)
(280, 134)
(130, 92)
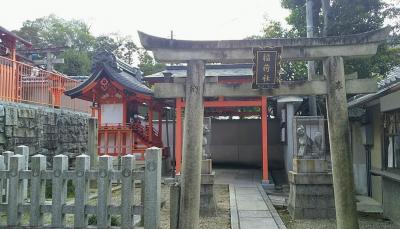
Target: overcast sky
(189, 19)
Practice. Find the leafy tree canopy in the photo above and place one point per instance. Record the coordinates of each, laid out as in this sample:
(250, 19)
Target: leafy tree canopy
(80, 44)
(147, 64)
(52, 31)
(344, 17)
(75, 63)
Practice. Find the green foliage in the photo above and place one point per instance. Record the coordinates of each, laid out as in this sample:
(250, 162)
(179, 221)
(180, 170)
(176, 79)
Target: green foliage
(351, 17)
(75, 63)
(52, 31)
(70, 189)
(80, 44)
(73, 35)
(92, 220)
(115, 221)
(123, 47)
(291, 70)
(147, 63)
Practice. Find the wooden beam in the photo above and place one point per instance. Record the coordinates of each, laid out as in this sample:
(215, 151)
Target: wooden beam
(303, 88)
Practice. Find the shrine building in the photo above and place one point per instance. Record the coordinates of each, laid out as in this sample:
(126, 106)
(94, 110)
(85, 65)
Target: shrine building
(124, 106)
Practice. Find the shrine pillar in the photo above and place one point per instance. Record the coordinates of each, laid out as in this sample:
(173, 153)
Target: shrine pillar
(339, 140)
(160, 122)
(264, 135)
(150, 130)
(178, 135)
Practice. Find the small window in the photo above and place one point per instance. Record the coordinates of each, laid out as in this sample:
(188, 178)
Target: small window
(392, 140)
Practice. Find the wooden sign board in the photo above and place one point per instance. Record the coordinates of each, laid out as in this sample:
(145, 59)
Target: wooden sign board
(266, 67)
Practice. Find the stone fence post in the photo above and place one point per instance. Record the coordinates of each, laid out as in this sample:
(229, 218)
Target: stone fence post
(104, 190)
(37, 190)
(7, 155)
(59, 190)
(128, 184)
(17, 163)
(24, 151)
(81, 190)
(152, 188)
(2, 167)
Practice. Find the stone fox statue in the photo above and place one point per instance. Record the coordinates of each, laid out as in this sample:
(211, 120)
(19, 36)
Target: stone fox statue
(308, 147)
(305, 142)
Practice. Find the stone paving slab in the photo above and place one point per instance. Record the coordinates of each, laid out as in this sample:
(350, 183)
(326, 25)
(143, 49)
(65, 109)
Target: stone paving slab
(252, 209)
(252, 205)
(255, 214)
(259, 223)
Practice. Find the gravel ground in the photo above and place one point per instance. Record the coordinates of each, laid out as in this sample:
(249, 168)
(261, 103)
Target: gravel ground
(221, 221)
(366, 222)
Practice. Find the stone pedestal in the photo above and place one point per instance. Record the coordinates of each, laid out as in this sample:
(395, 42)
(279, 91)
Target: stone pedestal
(208, 205)
(311, 190)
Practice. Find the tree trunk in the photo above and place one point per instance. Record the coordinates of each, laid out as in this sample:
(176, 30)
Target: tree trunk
(312, 102)
(325, 12)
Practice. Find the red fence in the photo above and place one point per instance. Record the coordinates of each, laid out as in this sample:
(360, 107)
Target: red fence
(24, 83)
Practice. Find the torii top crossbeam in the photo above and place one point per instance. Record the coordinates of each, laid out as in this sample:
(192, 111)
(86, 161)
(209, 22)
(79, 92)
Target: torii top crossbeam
(240, 51)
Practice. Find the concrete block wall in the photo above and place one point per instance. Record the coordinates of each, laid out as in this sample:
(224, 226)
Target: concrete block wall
(45, 130)
(391, 199)
(239, 142)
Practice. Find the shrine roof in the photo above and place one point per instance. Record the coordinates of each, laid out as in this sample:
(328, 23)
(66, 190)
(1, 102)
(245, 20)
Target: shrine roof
(386, 86)
(5, 32)
(107, 65)
(220, 70)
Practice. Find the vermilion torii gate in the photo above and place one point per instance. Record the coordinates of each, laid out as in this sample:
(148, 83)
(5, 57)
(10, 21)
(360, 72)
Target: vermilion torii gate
(331, 50)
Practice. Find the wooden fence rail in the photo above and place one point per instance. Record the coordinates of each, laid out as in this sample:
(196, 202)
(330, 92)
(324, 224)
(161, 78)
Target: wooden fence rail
(36, 206)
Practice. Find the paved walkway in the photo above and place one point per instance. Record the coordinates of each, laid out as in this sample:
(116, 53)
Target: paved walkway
(250, 206)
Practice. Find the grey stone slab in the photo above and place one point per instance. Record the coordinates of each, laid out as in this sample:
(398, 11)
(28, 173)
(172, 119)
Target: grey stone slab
(249, 198)
(255, 214)
(233, 208)
(259, 223)
(252, 205)
(247, 191)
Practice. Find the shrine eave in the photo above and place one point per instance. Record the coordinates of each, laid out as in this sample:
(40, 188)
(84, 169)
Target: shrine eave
(240, 51)
(123, 78)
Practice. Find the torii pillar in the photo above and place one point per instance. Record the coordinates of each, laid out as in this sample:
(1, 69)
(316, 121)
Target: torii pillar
(329, 49)
(339, 139)
(192, 145)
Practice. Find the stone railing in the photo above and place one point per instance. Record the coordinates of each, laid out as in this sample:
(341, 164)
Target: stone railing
(30, 200)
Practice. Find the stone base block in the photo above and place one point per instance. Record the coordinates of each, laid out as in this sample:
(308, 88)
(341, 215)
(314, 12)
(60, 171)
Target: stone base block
(206, 166)
(309, 165)
(310, 178)
(311, 196)
(312, 213)
(208, 178)
(208, 206)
